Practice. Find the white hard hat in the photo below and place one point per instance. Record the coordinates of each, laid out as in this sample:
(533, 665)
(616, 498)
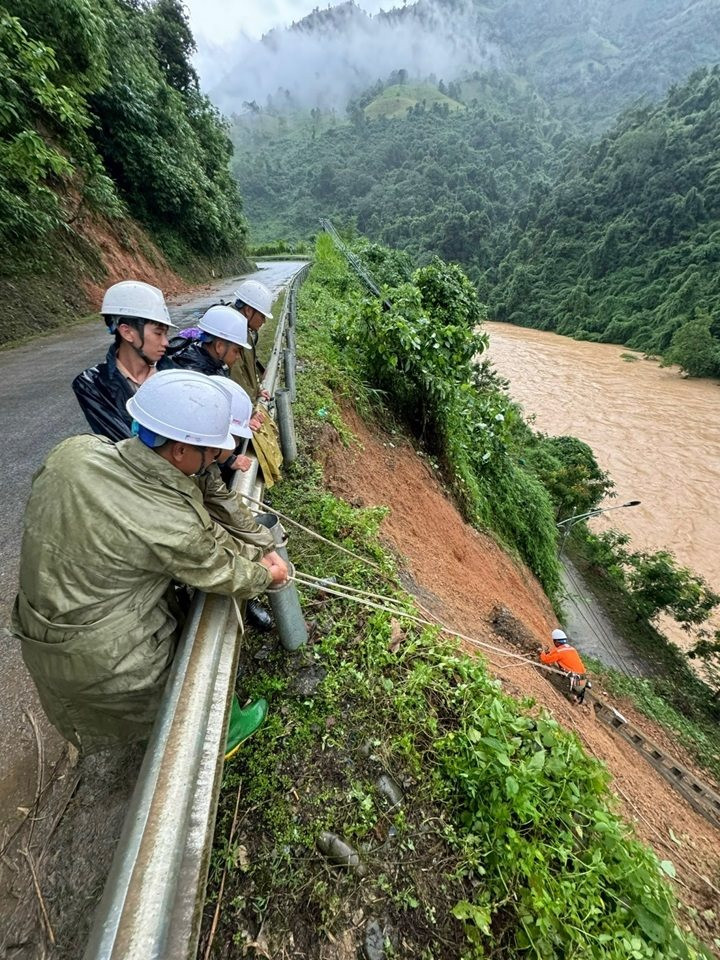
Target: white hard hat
(558, 635)
(226, 323)
(184, 405)
(240, 406)
(255, 295)
(133, 298)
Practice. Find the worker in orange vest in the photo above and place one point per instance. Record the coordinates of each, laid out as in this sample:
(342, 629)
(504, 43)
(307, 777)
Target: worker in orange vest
(568, 659)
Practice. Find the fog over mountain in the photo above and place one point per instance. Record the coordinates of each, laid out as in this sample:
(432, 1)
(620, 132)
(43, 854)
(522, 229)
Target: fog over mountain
(588, 57)
(334, 54)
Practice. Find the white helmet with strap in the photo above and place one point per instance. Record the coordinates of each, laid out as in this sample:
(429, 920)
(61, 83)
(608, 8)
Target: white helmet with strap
(559, 636)
(255, 295)
(227, 323)
(241, 407)
(186, 406)
(136, 300)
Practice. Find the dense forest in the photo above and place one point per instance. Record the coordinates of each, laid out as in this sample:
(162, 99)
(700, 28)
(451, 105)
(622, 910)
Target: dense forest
(588, 59)
(626, 246)
(442, 179)
(100, 110)
(616, 239)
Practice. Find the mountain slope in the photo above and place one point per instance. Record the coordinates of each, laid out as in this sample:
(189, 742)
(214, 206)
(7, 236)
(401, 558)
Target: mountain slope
(626, 247)
(588, 58)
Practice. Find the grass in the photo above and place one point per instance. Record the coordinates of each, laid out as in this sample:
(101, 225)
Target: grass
(396, 100)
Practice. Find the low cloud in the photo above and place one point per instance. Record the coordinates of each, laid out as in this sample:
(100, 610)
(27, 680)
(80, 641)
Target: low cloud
(334, 55)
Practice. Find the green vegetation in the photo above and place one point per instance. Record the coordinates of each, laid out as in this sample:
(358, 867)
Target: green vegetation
(438, 182)
(505, 841)
(396, 99)
(625, 248)
(614, 242)
(653, 581)
(673, 695)
(100, 110)
(418, 351)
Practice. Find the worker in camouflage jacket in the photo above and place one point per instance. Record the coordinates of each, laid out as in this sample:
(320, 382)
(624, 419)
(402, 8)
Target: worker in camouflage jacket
(107, 530)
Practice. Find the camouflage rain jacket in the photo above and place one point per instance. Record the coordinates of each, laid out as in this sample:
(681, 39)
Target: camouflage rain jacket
(107, 528)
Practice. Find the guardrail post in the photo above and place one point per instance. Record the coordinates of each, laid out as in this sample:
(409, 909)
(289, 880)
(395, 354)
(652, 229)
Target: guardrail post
(289, 368)
(285, 601)
(286, 426)
(291, 342)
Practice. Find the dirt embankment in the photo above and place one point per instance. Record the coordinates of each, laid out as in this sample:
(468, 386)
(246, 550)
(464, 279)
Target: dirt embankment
(127, 255)
(465, 578)
(70, 277)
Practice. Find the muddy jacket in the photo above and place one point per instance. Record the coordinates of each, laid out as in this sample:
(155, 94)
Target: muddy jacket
(106, 530)
(226, 508)
(245, 369)
(193, 356)
(102, 392)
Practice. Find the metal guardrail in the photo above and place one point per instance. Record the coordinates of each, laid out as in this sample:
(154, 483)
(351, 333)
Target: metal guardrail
(152, 904)
(352, 258)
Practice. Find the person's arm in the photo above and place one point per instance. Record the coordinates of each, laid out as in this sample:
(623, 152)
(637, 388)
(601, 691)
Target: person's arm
(206, 557)
(226, 508)
(550, 657)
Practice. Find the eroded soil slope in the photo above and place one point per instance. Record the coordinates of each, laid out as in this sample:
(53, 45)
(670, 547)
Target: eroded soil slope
(464, 577)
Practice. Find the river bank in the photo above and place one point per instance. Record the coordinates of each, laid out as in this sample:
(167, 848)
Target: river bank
(655, 433)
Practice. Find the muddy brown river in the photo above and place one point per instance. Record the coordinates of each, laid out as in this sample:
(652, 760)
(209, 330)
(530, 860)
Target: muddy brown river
(657, 434)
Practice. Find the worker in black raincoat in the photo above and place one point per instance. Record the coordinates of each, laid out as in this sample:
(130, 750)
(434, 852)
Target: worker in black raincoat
(136, 314)
(223, 336)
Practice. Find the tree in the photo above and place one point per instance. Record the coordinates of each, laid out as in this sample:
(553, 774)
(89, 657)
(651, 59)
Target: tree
(694, 348)
(175, 43)
(658, 585)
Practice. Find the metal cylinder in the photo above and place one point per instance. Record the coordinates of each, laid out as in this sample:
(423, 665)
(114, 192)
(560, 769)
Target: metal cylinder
(290, 338)
(285, 605)
(272, 522)
(286, 426)
(284, 601)
(289, 368)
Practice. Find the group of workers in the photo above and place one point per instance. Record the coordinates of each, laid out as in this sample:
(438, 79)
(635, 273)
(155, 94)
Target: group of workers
(121, 522)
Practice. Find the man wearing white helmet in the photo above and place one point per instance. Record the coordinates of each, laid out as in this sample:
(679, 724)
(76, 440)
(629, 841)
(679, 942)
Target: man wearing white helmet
(223, 338)
(254, 301)
(108, 528)
(136, 314)
(566, 657)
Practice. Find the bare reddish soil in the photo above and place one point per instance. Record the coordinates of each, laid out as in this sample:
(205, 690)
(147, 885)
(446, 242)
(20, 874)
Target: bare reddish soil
(132, 256)
(464, 576)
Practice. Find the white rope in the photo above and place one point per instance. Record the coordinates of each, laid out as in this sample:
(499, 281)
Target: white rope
(313, 533)
(339, 590)
(359, 596)
(344, 586)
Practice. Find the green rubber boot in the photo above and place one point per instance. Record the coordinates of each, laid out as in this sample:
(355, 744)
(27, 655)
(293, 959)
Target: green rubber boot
(243, 723)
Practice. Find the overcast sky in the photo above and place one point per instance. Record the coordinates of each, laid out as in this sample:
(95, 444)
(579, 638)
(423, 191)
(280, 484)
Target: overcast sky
(215, 22)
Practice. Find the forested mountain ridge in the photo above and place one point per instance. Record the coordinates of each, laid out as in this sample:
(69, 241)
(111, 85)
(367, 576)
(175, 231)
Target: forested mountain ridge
(626, 247)
(440, 181)
(102, 120)
(588, 58)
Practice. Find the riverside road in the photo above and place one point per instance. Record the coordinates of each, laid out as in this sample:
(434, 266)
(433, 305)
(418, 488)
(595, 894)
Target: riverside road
(38, 410)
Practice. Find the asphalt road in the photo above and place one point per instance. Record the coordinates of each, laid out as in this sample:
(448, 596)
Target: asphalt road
(38, 410)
